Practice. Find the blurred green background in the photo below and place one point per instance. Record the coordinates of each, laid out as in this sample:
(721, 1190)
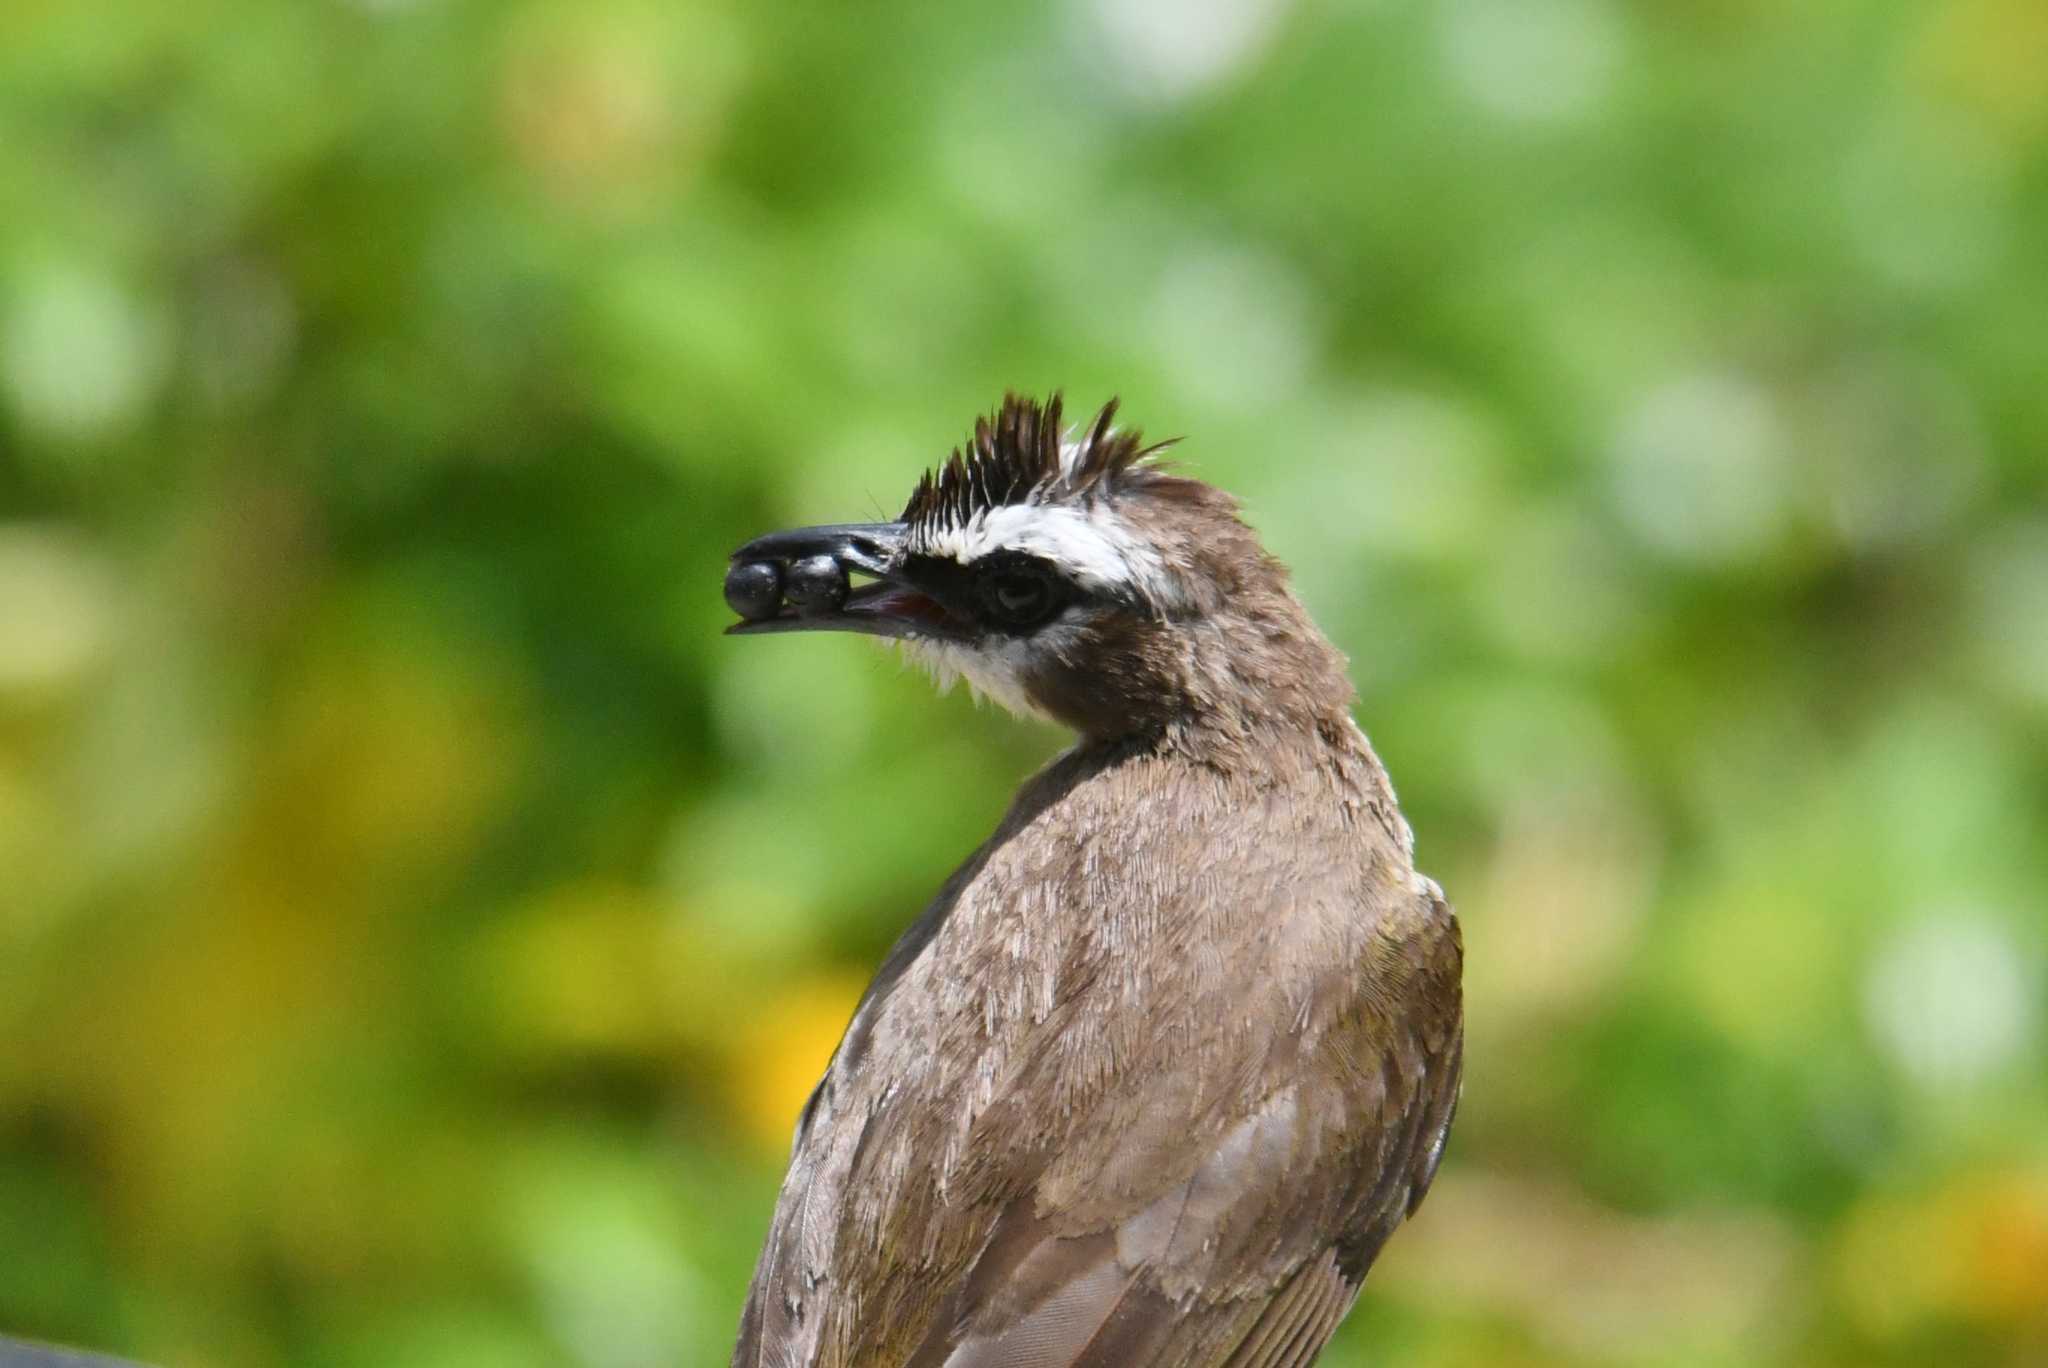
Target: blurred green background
(418, 926)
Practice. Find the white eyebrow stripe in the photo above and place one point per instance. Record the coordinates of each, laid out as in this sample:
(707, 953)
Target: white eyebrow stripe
(1089, 545)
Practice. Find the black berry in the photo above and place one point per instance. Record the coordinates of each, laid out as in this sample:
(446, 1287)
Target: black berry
(817, 584)
(753, 589)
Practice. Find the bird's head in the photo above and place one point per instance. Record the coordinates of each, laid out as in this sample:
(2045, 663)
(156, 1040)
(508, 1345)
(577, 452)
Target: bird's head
(1065, 574)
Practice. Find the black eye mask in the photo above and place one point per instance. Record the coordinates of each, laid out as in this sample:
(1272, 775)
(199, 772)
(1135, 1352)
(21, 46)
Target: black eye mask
(1011, 593)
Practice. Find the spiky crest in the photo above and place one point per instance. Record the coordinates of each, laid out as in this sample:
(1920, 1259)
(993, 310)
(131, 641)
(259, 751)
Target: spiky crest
(1020, 455)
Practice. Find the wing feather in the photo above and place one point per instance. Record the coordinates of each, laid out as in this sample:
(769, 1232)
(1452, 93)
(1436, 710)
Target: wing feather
(1110, 1310)
(1061, 1332)
(1297, 1323)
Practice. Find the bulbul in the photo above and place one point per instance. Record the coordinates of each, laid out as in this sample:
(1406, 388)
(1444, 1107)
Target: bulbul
(1166, 1061)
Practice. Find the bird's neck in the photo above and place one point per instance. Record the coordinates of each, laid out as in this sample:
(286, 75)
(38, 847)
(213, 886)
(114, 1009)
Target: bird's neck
(1305, 773)
(1261, 691)
(1296, 734)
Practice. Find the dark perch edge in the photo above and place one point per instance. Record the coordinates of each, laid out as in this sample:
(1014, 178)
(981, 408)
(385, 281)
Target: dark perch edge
(22, 1354)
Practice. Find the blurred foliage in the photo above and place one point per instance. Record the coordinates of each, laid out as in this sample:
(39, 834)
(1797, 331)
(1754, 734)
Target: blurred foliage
(418, 927)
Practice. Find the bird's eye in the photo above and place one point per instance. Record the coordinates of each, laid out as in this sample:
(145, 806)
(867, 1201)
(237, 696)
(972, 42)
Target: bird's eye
(1018, 598)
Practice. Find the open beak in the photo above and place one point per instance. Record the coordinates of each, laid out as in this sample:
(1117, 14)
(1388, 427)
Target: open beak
(798, 581)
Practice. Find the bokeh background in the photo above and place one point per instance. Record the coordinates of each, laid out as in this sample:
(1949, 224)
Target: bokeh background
(419, 927)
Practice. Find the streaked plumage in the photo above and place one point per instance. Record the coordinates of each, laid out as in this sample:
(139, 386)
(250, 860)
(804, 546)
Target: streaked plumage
(1165, 1062)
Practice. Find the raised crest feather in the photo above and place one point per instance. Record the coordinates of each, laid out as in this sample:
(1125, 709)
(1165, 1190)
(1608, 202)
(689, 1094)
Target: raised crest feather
(1019, 455)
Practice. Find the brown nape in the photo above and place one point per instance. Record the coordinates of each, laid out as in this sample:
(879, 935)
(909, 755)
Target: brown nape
(1220, 677)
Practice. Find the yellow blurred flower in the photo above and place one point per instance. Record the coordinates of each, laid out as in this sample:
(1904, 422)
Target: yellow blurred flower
(1975, 1250)
(780, 1058)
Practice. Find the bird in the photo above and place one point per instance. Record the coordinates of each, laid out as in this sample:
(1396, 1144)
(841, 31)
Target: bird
(1169, 1057)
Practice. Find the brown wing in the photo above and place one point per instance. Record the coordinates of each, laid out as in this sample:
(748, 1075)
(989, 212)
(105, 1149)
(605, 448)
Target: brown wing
(1255, 1259)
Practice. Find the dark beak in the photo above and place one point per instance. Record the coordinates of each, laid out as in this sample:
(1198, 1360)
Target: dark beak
(799, 581)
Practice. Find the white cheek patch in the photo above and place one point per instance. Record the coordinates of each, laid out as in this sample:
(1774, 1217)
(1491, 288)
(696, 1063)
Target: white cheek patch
(992, 672)
(996, 668)
(1088, 543)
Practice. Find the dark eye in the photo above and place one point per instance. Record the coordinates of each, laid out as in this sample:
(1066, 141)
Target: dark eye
(1018, 598)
